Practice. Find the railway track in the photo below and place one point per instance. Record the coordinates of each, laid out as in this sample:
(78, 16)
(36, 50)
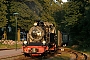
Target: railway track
(4, 49)
(22, 57)
(12, 57)
(74, 55)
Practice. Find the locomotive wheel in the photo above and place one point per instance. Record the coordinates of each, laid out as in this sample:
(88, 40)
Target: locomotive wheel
(45, 54)
(26, 55)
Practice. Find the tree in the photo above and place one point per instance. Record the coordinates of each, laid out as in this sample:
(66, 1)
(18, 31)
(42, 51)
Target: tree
(80, 30)
(3, 13)
(25, 17)
(49, 8)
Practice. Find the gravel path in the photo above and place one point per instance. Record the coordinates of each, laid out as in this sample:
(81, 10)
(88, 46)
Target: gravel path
(9, 53)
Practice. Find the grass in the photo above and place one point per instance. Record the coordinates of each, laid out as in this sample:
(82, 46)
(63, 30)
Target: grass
(87, 53)
(85, 50)
(6, 46)
(61, 58)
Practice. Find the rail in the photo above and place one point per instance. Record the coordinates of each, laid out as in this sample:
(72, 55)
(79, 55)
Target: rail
(75, 55)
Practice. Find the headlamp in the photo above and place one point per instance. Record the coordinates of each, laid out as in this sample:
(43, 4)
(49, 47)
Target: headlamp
(44, 42)
(25, 42)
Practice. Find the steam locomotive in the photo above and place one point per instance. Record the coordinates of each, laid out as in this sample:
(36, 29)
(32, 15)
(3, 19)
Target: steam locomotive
(41, 39)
